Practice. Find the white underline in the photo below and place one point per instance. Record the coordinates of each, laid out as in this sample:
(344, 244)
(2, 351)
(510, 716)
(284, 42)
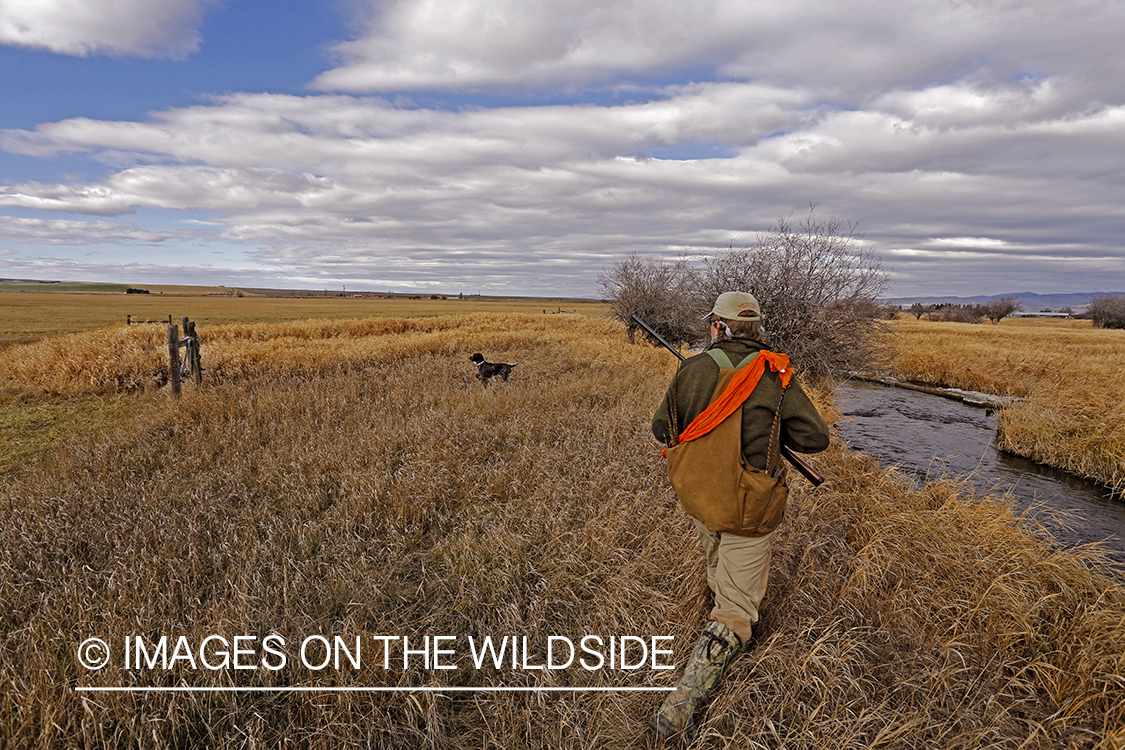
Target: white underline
(373, 689)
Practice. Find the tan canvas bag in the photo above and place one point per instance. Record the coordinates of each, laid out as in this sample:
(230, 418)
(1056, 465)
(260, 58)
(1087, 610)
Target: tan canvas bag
(710, 475)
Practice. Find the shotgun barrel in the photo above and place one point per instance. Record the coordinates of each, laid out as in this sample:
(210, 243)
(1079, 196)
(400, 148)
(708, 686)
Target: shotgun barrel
(807, 471)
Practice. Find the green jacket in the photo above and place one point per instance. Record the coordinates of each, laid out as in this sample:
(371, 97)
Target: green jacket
(803, 429)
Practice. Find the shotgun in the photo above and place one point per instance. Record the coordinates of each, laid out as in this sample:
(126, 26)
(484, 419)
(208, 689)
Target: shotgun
(807, 471)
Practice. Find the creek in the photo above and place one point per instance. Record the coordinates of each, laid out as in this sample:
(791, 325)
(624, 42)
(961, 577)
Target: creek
(929, 436)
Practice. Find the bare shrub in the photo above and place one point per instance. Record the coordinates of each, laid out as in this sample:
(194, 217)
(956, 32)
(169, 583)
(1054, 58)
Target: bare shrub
(656, 290)
(960, 314)
(1000, 308)
(1107, 311)
(818, 288)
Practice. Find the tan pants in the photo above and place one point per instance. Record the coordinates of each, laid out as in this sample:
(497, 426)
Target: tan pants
(738, 568)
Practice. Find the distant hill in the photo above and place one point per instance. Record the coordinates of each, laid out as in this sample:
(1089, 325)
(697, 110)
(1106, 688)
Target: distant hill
(1031, 301)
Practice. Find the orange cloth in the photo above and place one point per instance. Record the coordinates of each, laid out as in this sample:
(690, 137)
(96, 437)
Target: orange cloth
(740, 388)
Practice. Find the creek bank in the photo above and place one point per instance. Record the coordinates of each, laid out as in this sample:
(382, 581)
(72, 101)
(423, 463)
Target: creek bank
(973, 398)
(991, 403)
(933, 438)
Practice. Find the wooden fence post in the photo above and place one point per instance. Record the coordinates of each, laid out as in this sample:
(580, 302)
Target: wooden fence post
(174, 358)
(195, 362)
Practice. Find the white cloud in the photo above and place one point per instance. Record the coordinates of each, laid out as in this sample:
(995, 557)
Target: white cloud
(984, 243)
(540, 195)
(851, 50)
(244, 274)
(169, 187)
(68, 232)
(145, 28)
(337, 134)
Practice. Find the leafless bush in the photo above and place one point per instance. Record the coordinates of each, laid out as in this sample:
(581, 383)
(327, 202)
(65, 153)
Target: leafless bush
(818, 289)
(1000, 308)
(1107, 311)
(959, 314)
(656, 290)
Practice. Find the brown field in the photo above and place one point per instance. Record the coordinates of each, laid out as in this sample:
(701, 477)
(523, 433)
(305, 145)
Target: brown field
(97, 287)
(352, 478)
(30, 316)
(1070, 373)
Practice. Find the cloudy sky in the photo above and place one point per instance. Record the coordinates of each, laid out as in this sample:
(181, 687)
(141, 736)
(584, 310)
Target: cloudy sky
(510, 146)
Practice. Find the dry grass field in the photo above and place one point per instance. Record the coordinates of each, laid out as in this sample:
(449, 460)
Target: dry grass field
(344, 478)
(1070, 374)
(27, 316)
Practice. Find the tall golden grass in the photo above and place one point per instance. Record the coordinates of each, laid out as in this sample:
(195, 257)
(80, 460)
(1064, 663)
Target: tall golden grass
(372, 487)
(1069, 373)
(123, 358)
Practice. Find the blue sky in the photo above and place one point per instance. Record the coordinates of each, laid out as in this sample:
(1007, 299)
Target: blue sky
(508, 147)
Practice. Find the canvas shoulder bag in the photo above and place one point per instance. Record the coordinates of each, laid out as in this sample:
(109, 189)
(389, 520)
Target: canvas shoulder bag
(708, 471)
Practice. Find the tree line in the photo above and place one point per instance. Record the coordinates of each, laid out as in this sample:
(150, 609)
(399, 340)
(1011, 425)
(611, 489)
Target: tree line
(994, 310)
(1104, 311)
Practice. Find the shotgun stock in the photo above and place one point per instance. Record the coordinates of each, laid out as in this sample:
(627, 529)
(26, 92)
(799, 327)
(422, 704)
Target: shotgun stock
(807, 471)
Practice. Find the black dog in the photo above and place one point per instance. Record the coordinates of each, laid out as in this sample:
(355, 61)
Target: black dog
(486, 370)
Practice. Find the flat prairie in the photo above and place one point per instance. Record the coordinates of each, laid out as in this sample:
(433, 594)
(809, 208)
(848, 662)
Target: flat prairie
(29, 315)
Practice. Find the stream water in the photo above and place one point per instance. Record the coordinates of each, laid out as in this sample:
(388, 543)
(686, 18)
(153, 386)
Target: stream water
(931, 436)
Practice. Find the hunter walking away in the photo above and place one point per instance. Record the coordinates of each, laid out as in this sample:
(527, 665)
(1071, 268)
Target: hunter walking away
(724, 418)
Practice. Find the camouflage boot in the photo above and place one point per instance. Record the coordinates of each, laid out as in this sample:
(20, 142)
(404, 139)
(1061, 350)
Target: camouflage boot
(717, 647)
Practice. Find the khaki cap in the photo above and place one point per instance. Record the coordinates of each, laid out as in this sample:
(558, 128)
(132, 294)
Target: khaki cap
(736, 306)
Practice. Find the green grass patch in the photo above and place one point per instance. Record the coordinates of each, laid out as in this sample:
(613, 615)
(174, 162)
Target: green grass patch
(32, 427)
